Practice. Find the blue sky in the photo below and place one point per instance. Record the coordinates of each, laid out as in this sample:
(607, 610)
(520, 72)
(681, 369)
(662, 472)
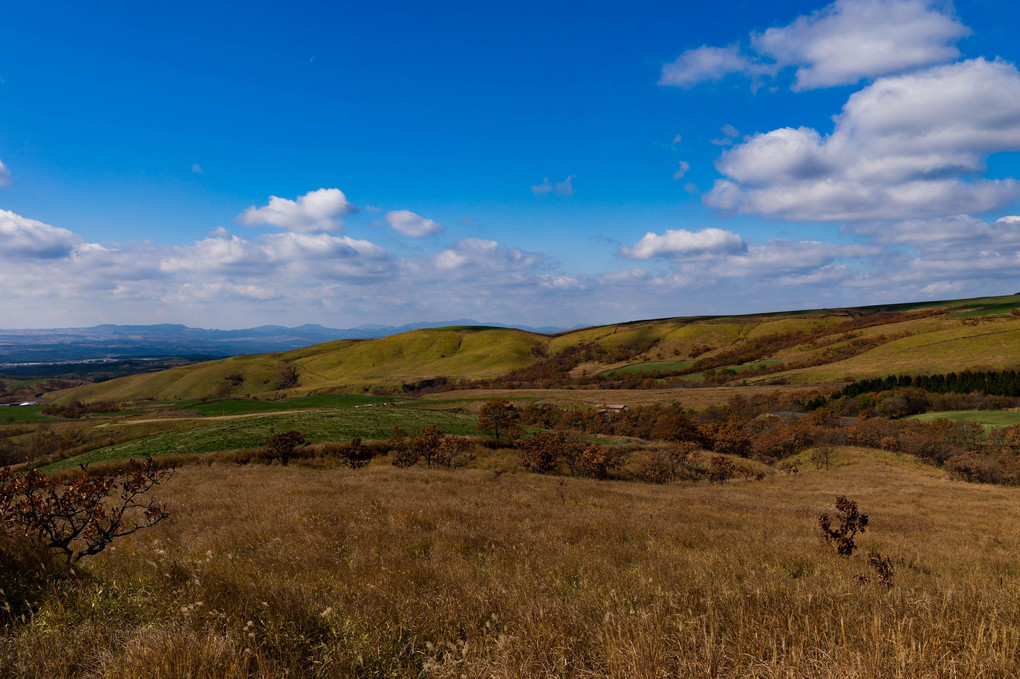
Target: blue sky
(228, 165)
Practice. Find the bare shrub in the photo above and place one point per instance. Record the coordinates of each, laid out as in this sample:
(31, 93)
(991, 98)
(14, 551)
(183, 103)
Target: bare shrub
(851, 522)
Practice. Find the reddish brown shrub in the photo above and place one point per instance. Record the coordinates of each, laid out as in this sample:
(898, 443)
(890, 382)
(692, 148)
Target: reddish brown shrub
(81, 518)
(975, 468)
(720, 469)
(597, 461)
(282, 446)
(851, 522)
(541, 452)
(354, 454)
(455, 451)
(883, 567)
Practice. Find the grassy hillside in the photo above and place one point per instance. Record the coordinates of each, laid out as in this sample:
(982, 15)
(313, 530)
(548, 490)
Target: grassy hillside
(803, 347)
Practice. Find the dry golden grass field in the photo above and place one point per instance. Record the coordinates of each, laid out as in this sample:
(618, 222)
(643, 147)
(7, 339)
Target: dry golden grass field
(271, 571)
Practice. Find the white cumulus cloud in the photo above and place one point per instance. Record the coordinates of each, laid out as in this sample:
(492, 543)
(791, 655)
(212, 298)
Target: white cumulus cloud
(854, 39)
(840, 44)
(21, 237)
(903, 147)
(409, 224)
(320, 210)
(681, 243)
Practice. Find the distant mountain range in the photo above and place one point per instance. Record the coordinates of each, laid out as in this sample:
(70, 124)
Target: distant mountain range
(123, 341)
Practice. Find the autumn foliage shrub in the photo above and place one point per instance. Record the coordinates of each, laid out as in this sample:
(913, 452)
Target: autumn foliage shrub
(499, 418)
(354, 454)
(720, 469)
(975, 468)
(883, 568)
(83, 517)
(850, 523)
(430, 447)
(598, 461)
(541, 452)
(729, 439)
(281, 447)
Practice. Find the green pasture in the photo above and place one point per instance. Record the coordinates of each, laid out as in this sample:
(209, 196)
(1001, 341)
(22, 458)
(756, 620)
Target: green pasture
(662, 366)
(23, 414)
(25, 383)
(986, 418)
(989, 310)
(679, 366)
(242, 406)
(318, 426)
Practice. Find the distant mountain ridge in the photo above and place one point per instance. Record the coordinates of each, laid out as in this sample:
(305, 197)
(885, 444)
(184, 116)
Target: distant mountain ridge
(170, 339)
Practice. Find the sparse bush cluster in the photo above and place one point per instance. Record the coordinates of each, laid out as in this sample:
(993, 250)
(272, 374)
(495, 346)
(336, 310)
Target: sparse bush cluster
(78, 409)
(430, 447)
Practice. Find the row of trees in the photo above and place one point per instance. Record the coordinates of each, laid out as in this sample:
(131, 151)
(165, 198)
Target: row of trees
(991, 382)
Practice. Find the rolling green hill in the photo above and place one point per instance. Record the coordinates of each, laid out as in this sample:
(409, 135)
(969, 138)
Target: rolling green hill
(799, 347)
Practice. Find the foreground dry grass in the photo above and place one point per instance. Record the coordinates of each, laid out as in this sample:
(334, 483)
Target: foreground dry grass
(273, 571)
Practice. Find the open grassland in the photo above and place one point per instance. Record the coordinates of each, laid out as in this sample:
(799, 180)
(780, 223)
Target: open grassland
(986, 418)
(420, 355)
(238, 376)
(268, 571)
(210, 435)
(953, 346)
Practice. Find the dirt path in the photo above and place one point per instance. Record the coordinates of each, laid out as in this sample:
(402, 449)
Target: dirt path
(204, 418)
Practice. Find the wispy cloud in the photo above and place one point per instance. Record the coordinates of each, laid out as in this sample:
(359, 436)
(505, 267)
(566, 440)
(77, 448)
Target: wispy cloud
(408, 223)
(564, 188)
(840, 44)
